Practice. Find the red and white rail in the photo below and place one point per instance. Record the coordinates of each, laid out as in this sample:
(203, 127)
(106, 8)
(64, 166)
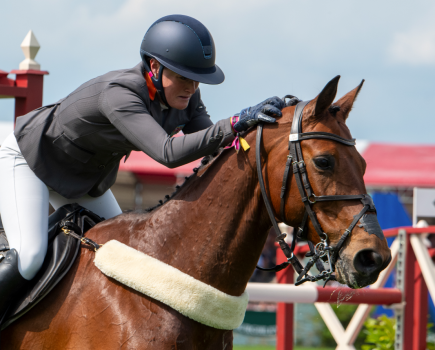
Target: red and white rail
(308, 294)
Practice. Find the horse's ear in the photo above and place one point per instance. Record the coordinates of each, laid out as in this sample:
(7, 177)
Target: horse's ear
(326, 97)
(346, 102)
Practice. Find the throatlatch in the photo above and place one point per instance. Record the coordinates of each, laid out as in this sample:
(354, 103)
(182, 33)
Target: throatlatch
(322, 251)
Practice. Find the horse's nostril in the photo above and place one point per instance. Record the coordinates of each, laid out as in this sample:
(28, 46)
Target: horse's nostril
(367, 261)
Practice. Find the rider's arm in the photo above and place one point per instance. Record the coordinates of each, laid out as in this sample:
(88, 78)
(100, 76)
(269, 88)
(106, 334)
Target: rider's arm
(127, 111)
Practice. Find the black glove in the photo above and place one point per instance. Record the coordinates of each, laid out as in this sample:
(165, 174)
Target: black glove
(260, 113)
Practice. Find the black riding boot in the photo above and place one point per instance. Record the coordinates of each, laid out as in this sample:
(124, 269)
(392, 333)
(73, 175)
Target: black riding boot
(12, 283)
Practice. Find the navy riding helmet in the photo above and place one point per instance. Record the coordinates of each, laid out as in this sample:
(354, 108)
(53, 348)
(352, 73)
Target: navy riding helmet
(185, 46)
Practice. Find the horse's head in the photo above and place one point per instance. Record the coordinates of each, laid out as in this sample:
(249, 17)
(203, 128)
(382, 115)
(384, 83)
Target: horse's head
(332, 168)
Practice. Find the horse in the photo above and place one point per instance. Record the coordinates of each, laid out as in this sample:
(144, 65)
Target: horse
(212, 228)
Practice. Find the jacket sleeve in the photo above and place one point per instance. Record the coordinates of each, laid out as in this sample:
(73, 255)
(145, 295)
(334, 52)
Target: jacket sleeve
(127, 111)
(200, 119)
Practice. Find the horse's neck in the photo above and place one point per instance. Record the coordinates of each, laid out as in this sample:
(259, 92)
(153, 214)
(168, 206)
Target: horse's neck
(216, 227)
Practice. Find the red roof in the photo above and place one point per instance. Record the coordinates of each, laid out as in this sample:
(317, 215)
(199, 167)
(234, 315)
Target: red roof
(400, 165)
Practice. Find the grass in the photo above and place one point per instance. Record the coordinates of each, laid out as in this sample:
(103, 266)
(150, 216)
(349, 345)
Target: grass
(265, 347)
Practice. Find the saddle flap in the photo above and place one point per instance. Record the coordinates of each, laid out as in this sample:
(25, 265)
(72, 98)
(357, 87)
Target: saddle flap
(62, 251)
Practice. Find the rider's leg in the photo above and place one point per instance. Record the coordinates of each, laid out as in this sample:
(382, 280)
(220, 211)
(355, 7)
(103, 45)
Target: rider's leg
(24, 211)
(24, 208)
(105, 206)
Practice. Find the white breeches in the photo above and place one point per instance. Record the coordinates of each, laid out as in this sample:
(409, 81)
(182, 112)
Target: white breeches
(24, 207)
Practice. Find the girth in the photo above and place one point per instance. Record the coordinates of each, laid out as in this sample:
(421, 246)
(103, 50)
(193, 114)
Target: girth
(295, 162)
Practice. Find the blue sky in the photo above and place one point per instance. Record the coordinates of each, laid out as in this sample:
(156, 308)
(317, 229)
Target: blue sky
(265, 48)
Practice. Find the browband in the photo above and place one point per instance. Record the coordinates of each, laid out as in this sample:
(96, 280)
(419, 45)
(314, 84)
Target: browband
(321, 135)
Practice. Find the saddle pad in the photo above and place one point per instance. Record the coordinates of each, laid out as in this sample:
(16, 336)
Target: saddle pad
(190, 297)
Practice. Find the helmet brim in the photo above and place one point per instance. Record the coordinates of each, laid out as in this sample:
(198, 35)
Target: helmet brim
(211, 76)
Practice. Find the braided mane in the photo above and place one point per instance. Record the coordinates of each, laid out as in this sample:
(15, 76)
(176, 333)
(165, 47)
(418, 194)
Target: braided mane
(204, 162)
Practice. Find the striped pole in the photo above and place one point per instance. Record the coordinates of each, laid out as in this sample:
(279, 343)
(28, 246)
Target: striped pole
(311, 293)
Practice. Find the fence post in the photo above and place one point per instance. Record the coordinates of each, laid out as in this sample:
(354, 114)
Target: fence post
(33, 81)
(399, 310)
(416, 307)
(284, 312)
(29, 76)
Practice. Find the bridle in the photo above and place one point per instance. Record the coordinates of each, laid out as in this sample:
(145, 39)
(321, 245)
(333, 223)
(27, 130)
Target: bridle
(295, 160)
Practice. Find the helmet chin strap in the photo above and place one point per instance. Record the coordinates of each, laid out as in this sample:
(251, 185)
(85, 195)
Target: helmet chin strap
(158, 84)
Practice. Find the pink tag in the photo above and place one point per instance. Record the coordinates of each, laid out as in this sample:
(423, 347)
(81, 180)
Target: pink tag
(235, 144)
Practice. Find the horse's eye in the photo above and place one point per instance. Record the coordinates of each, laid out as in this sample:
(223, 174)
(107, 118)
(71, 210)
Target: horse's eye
(323, 163)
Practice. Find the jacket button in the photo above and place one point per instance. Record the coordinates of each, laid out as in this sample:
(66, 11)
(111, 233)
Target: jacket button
(101, 166)
(114, 154)
(212, 139)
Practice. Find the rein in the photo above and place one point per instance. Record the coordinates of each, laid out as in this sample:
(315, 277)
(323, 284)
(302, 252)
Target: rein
(295, 160)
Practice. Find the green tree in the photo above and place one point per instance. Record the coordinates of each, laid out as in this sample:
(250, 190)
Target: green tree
(380, 334)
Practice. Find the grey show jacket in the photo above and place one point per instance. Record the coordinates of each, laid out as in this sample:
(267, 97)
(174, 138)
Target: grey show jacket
(75, 145)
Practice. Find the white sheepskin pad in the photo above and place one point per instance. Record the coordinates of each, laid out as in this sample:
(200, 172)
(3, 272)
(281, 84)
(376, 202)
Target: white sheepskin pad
(190, 297)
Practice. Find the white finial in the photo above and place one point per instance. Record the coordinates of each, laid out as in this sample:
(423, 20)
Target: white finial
(30, 47)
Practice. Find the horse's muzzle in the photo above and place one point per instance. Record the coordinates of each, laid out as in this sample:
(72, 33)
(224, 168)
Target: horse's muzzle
(368, 262)
(362, 270)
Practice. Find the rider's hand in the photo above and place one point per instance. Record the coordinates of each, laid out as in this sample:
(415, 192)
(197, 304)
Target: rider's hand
(262, 112)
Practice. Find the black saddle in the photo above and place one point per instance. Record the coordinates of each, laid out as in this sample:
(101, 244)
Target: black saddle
(61, 253)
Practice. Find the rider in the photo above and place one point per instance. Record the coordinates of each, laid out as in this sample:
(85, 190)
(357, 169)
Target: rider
(69, 151)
